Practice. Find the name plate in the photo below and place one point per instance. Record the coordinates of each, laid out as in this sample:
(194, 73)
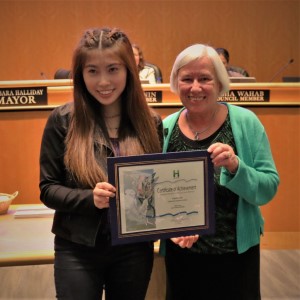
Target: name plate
(246, 96)
(27, 96)
(153, 96)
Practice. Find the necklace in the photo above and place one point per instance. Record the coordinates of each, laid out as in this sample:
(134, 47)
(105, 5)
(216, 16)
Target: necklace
(112, 116)
(113, 128)
(196, 132)
(113, 132)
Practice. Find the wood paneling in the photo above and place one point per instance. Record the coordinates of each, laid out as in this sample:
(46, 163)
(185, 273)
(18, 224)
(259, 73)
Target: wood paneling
(261, 35)
(20, 143)
(21, 132)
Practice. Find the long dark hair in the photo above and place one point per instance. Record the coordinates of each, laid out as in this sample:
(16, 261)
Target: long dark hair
(141, 64)
(138, 129)
(224, 52)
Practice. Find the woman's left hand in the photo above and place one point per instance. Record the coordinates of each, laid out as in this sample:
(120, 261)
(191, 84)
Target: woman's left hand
(222, 155)
(185, 241)
(102, 192)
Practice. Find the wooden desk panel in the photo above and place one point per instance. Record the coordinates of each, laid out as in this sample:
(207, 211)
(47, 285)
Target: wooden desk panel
(25, 241)
(21, 132)
(29, 241)
(60, 92)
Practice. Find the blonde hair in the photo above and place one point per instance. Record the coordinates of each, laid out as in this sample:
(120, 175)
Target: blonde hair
(192, 53)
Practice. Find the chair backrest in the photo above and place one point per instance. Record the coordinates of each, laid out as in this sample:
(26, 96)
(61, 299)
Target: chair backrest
(62, 74)
(291, 79)
(239, 70)
(157, 71)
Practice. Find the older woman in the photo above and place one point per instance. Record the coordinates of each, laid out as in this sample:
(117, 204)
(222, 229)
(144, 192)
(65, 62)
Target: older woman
(226, 263)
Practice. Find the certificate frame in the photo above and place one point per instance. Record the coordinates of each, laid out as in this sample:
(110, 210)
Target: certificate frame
(160, 196)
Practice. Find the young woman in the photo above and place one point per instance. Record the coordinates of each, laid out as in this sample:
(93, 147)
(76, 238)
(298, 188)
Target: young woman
(108, 117)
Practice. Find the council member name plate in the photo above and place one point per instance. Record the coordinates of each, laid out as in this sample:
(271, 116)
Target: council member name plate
(161, 196)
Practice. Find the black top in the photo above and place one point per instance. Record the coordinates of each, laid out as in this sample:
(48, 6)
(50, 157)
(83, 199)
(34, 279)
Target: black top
(224, 239)
(76, 218)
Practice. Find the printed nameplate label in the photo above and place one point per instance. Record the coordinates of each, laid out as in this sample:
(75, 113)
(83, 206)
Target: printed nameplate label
(23, 96)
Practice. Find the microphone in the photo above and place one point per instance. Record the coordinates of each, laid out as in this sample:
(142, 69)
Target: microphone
(43, 75)
(282, 69)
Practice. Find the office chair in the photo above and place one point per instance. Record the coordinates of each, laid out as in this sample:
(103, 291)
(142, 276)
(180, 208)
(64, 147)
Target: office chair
(62, 74)
(239, 70)
(157, 72)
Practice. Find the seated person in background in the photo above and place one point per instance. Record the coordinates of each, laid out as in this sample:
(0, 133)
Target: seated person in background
(145, 72)
(231, 70)
(63, 74)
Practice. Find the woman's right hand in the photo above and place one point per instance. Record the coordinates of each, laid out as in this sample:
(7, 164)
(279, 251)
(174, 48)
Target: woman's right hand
(185, 241)
(102, 192)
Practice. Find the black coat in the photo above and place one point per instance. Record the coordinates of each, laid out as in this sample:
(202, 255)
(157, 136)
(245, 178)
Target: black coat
(76, 217)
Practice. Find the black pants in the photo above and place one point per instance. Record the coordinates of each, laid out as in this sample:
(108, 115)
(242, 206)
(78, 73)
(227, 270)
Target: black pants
(81, 272)
(212, 277)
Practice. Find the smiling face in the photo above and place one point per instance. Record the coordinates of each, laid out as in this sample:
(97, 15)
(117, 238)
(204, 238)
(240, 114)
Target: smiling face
(105, 75)
(198, 87)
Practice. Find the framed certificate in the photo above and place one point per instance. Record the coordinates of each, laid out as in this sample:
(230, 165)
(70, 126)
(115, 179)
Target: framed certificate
(161, 196)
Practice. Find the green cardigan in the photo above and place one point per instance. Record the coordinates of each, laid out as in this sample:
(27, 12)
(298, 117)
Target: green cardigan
(256, 179)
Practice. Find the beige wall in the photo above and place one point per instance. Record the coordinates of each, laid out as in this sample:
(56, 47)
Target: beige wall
(261, 35)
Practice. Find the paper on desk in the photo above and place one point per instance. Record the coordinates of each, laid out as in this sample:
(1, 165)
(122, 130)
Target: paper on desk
(33, 211)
